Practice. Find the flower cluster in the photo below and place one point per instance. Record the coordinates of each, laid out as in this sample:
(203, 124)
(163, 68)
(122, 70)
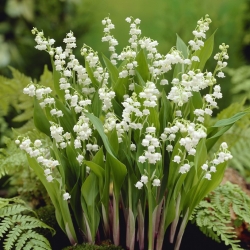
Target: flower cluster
(193, 134)
(42, 42)
(220, 57)
(35, 150)
(222, 156)
(152, 143)
(150, 93)
(191, 81)
(83, 131)
(110, 39)
(200, 33)
(144, 180)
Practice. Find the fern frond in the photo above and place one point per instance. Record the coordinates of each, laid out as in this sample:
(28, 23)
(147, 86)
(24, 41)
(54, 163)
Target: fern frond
(12, 210)
(11, 158)
(213, 215)
(11, 237)
(5, 225)
(40, 240)
(18, 229)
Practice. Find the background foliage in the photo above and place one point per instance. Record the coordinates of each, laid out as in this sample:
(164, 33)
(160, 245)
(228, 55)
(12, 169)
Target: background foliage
(162, 19)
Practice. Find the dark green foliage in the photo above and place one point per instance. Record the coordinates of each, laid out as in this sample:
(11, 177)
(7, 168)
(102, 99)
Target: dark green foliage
(18, 17)
(240, 79)
(12, 159)
(19, 229)
(11, 94)
(213, 215)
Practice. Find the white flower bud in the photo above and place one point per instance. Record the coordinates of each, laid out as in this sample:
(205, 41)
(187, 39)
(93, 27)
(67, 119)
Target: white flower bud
(144, 179)
(156, 183)
(139, 185)
(66, 196)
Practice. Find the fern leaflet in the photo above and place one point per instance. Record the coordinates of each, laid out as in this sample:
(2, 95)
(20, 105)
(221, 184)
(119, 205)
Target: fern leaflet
(19, 230)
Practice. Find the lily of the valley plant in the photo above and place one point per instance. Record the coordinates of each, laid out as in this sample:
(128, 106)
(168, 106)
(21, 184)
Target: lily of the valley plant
(120, 125)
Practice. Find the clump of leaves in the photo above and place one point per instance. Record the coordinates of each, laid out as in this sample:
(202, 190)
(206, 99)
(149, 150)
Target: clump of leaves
(18, 228)
(214, 214)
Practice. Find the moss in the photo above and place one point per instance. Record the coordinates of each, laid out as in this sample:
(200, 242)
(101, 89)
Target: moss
(47, 215)
(85, 246)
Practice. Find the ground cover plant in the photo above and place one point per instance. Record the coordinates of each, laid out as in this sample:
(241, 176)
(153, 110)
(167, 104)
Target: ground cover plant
(123, 136)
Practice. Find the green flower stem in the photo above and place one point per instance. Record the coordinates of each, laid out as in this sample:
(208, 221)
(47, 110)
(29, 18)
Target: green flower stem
(176, 219)
(181, 231)
(161, 231)
(150, 218)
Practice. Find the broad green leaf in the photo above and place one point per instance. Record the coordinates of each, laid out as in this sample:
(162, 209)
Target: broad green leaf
(40, 120)
(68, 119)
(138, 89)
(113, 140)
(89, 192)
(170, 212)
(56, 76)
(197, 100)
(141, 225)
(212, 140)
(178, 185)
(166, 112)
(142, 67)
(121, 88)
(89, 189)
(117, 108)
(119, 171)
(98, 171)
(153, 118)
(139, 152)
(98, 158)
(130, 232)
(105, 193)
(173, 167)
(63, 163)
(113, 71)
(131, 180)
(73, 163)
(75, 203)
(96, 104)
(95, 83)
(204, 53)
(220, 127)
(200, 155)
(191, 180)
(181, 46)
(140, 81)
(99, 127)
(231, 120)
